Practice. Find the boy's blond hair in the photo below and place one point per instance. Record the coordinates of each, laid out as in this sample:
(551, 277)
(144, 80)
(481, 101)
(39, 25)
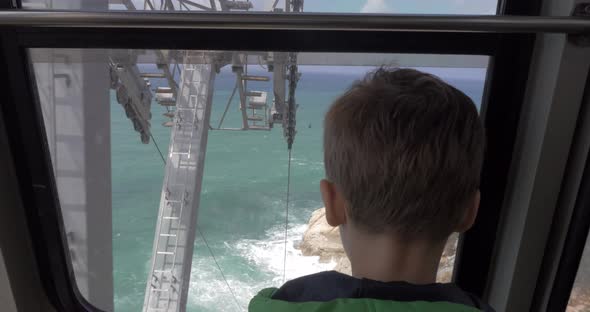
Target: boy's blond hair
(405, 149)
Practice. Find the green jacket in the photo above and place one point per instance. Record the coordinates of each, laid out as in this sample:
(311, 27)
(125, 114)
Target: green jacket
(336, 292)
(264, 303)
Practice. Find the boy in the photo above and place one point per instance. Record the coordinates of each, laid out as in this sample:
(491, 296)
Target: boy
(403, 152)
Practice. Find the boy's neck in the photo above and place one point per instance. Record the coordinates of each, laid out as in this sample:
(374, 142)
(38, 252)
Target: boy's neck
(387, 259)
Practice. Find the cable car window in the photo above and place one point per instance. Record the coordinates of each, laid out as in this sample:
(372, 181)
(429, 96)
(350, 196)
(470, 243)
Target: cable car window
(480, 7)
(128, 131)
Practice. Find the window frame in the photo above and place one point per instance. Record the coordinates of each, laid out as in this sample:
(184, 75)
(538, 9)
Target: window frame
(573, 224)
(505, 68)
(573, 250)
(37, 183)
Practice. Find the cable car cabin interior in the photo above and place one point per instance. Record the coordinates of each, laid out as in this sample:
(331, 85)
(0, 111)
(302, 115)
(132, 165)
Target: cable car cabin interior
(167, 155)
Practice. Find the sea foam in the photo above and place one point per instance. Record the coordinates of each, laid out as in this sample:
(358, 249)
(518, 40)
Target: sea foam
(209, 292)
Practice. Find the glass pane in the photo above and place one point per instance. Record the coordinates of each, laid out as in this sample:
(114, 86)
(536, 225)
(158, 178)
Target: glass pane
(128, 131)
(580, 296)
(487, 7)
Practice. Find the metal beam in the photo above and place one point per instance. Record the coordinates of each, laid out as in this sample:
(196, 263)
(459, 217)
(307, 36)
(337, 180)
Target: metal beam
(168, 282)
(197, 5)
(238, 63)
(298, 21)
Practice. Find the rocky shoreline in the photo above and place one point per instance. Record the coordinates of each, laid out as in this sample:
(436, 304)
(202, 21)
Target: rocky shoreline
(322, 240)
(579, 300)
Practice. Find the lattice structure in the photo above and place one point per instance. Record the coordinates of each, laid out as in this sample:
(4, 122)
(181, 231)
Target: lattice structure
(175, 231)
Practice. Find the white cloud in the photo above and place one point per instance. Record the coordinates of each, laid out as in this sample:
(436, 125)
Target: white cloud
(376, 6)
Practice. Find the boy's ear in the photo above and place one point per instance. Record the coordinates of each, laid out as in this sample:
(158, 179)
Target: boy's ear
(470, 214)
(334, 202)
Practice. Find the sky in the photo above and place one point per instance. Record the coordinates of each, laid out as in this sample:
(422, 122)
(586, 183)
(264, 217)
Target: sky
(379, 6)
(393, 6)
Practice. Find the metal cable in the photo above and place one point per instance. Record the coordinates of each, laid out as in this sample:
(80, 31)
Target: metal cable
(227, 106)
(289, 132)
(219, 268)
(158, 148)
(287, 216)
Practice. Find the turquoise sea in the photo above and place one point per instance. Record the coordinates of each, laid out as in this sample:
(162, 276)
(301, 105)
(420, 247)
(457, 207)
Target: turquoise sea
(242, 208)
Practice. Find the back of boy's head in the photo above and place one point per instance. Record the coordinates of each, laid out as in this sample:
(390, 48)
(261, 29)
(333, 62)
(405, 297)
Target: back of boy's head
(405, 149)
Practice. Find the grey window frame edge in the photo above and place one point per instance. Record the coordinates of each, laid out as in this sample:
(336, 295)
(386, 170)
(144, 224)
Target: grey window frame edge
(546, 172)
(546, 35)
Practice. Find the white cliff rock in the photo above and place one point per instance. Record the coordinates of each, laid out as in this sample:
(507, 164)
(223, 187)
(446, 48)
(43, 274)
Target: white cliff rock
(322, 240)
